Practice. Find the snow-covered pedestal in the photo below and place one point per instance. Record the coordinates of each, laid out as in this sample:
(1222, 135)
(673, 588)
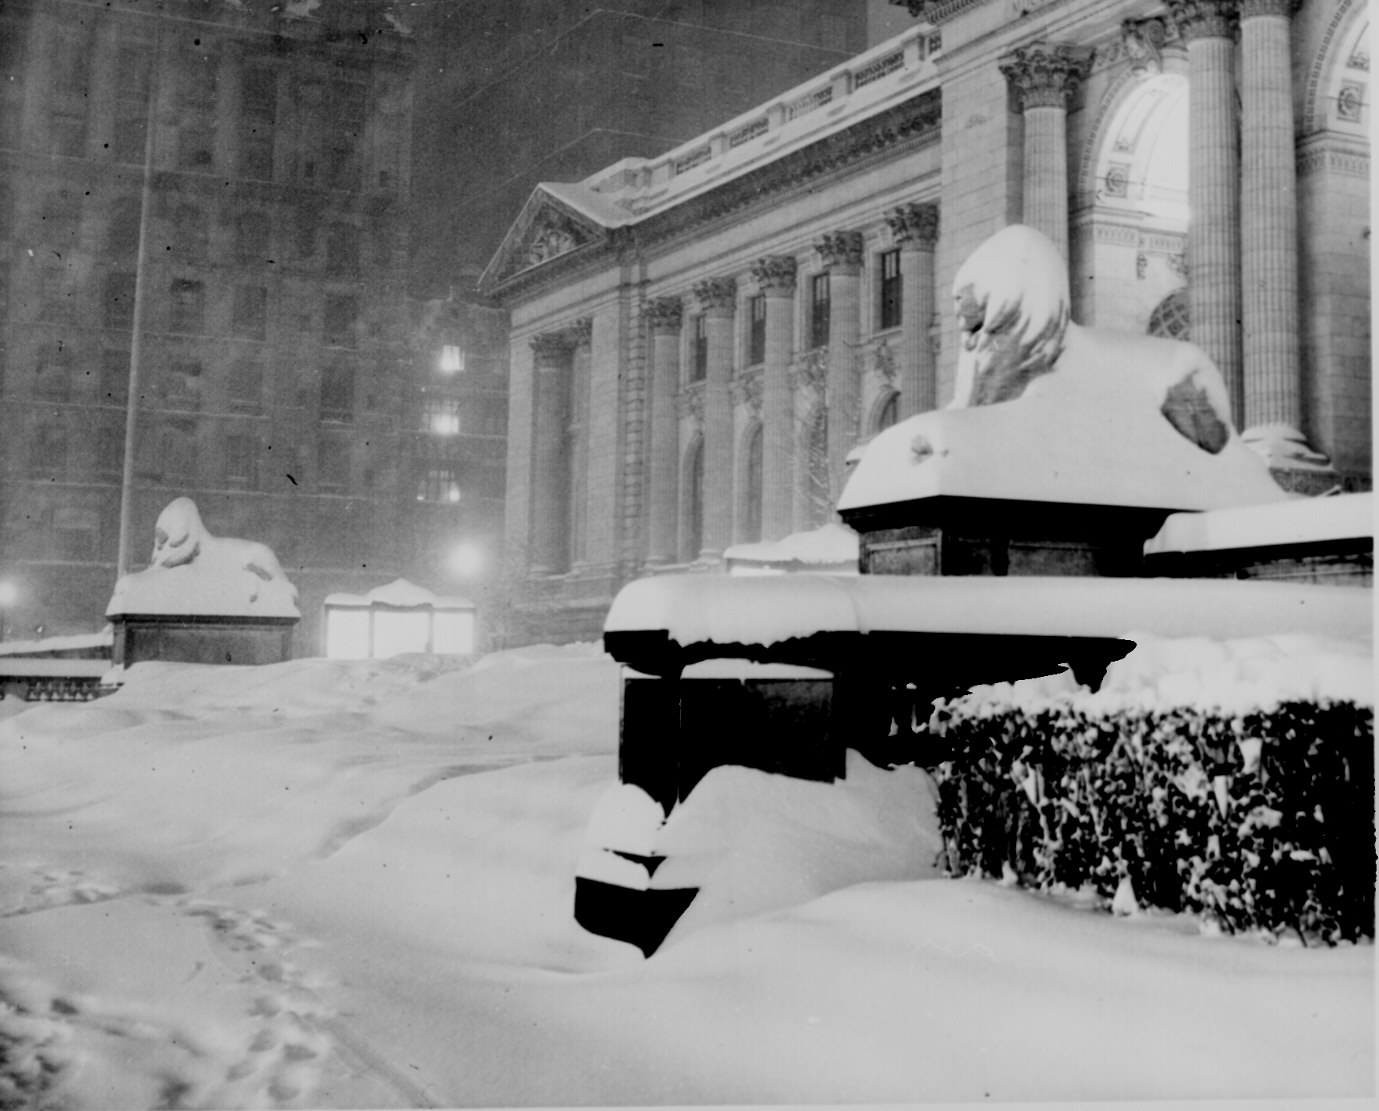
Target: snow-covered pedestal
(203, 599)
(1065, 447)
(396, 618)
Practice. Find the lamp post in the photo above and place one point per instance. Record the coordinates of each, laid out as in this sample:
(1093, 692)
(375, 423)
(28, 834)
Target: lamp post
(7, 597)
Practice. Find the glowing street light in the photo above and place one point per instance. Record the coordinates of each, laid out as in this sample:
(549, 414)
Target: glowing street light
(466, 560)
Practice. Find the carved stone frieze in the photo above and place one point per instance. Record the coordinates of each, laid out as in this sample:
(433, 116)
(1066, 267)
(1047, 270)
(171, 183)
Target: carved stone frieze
(810, 371)
(664, 314)
(775, 275)
(689, 403)
(880, 362)
(840, 250)
(914, 224)
(716, 296)
(1045, 75)
(1205, 19)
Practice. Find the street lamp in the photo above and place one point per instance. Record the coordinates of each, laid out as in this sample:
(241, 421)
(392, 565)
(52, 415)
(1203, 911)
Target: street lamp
(7, 596)
(466, 560)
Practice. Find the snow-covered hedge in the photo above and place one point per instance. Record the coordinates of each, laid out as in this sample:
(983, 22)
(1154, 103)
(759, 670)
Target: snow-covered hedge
(1261, 819)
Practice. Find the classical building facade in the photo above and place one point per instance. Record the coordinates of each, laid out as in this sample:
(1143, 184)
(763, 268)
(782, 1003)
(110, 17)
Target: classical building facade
(275, 344)
(699, 340)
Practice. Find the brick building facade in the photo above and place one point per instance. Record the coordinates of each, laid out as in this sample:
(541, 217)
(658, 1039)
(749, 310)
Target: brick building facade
(277, 343)
(698, 340)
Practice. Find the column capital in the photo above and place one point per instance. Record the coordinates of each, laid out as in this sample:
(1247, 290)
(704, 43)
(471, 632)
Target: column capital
(1044, 75)
(914, 225)
(581, 332)
(1205, 19)
(664, 314)
(716, 296)
(551, 347)
(841, 251)
(775, 275)
(1142, 41)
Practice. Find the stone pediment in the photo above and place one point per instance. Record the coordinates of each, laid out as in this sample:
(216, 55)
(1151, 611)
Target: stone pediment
(546, 229)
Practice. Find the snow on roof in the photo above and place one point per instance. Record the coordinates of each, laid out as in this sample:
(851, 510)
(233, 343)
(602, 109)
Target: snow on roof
(195, 574)
(832, 543)
(1044, 447)
(400, 593)
(104, 639)
(1310, 520)
(721, 609)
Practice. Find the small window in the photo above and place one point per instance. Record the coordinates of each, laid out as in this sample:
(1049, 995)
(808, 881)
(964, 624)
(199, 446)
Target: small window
(76, 534)
(890, 289)
(256, 151)
(114, 377)
(122, 234)
(190, 231)
(342, 249)
(452, 359)
(48, 452)
(183, 388)
(259, 91)
(818, 310)
(440, 482)
(334, 463)
(253, 237)
(67, 134)
(131, 126)
(306, 233)
(756, 340)
(242, 460)
(700, 340)
(246, 386)
(441, 415)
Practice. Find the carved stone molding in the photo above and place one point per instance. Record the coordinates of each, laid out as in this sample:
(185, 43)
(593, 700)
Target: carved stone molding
(1045, 75)
(551, 348)
(880, 362)
(746, 390)
(716, 296)
(664, 314)
(914, 225)
(1205, 19)
(810, 371)
(841, 250)
(689, 402)
(1142, 42)
(775, 275)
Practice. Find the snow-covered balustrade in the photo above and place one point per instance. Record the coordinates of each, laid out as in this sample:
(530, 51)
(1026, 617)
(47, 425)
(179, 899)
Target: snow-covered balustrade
(1327, 539)
(396, 618)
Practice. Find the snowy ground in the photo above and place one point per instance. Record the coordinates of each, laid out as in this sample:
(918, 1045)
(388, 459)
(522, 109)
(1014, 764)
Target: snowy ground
(332, 884)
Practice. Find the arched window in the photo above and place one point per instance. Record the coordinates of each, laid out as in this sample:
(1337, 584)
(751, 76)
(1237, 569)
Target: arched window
(1170, 317)
(692, 502)
(887, 411)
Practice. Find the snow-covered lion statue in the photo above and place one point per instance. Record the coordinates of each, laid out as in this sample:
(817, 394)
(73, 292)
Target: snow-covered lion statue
(1012, 301)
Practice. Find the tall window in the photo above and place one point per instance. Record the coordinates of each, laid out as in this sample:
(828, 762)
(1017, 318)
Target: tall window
(337, 392)
(441, 415)
(699, 338)
(53, 377)
(342, 249)
(890, 289)
(692, 517)
(241, 460)
(751, 509)
(246, 386)
(756, 336)
(76, 533)
(190, 232)
(439, 478)
(183, 384)
(114, 376)
(818, 310)
(187, 300)
(250, 316)
(253, 236)
(119, 300)
(48, 452)
(334, 462)
(341, 313)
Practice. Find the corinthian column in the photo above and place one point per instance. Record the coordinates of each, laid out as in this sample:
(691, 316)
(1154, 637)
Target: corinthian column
(1044, 77)
(581, 336)
(915, 228)
(841, 253)
(775, 277)
(1269, 237)
(663, 316)
(1213, 235)
(718, 299)
(551, 356)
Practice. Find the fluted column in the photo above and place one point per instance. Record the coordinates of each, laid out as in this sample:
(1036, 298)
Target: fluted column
(663, 316)
(775, 277)
(1269, 235)
(1044, 77)
(581, 337)
(718, 299)
(1213, 237)
(915, 228)
(841, 253)
(551, 358)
